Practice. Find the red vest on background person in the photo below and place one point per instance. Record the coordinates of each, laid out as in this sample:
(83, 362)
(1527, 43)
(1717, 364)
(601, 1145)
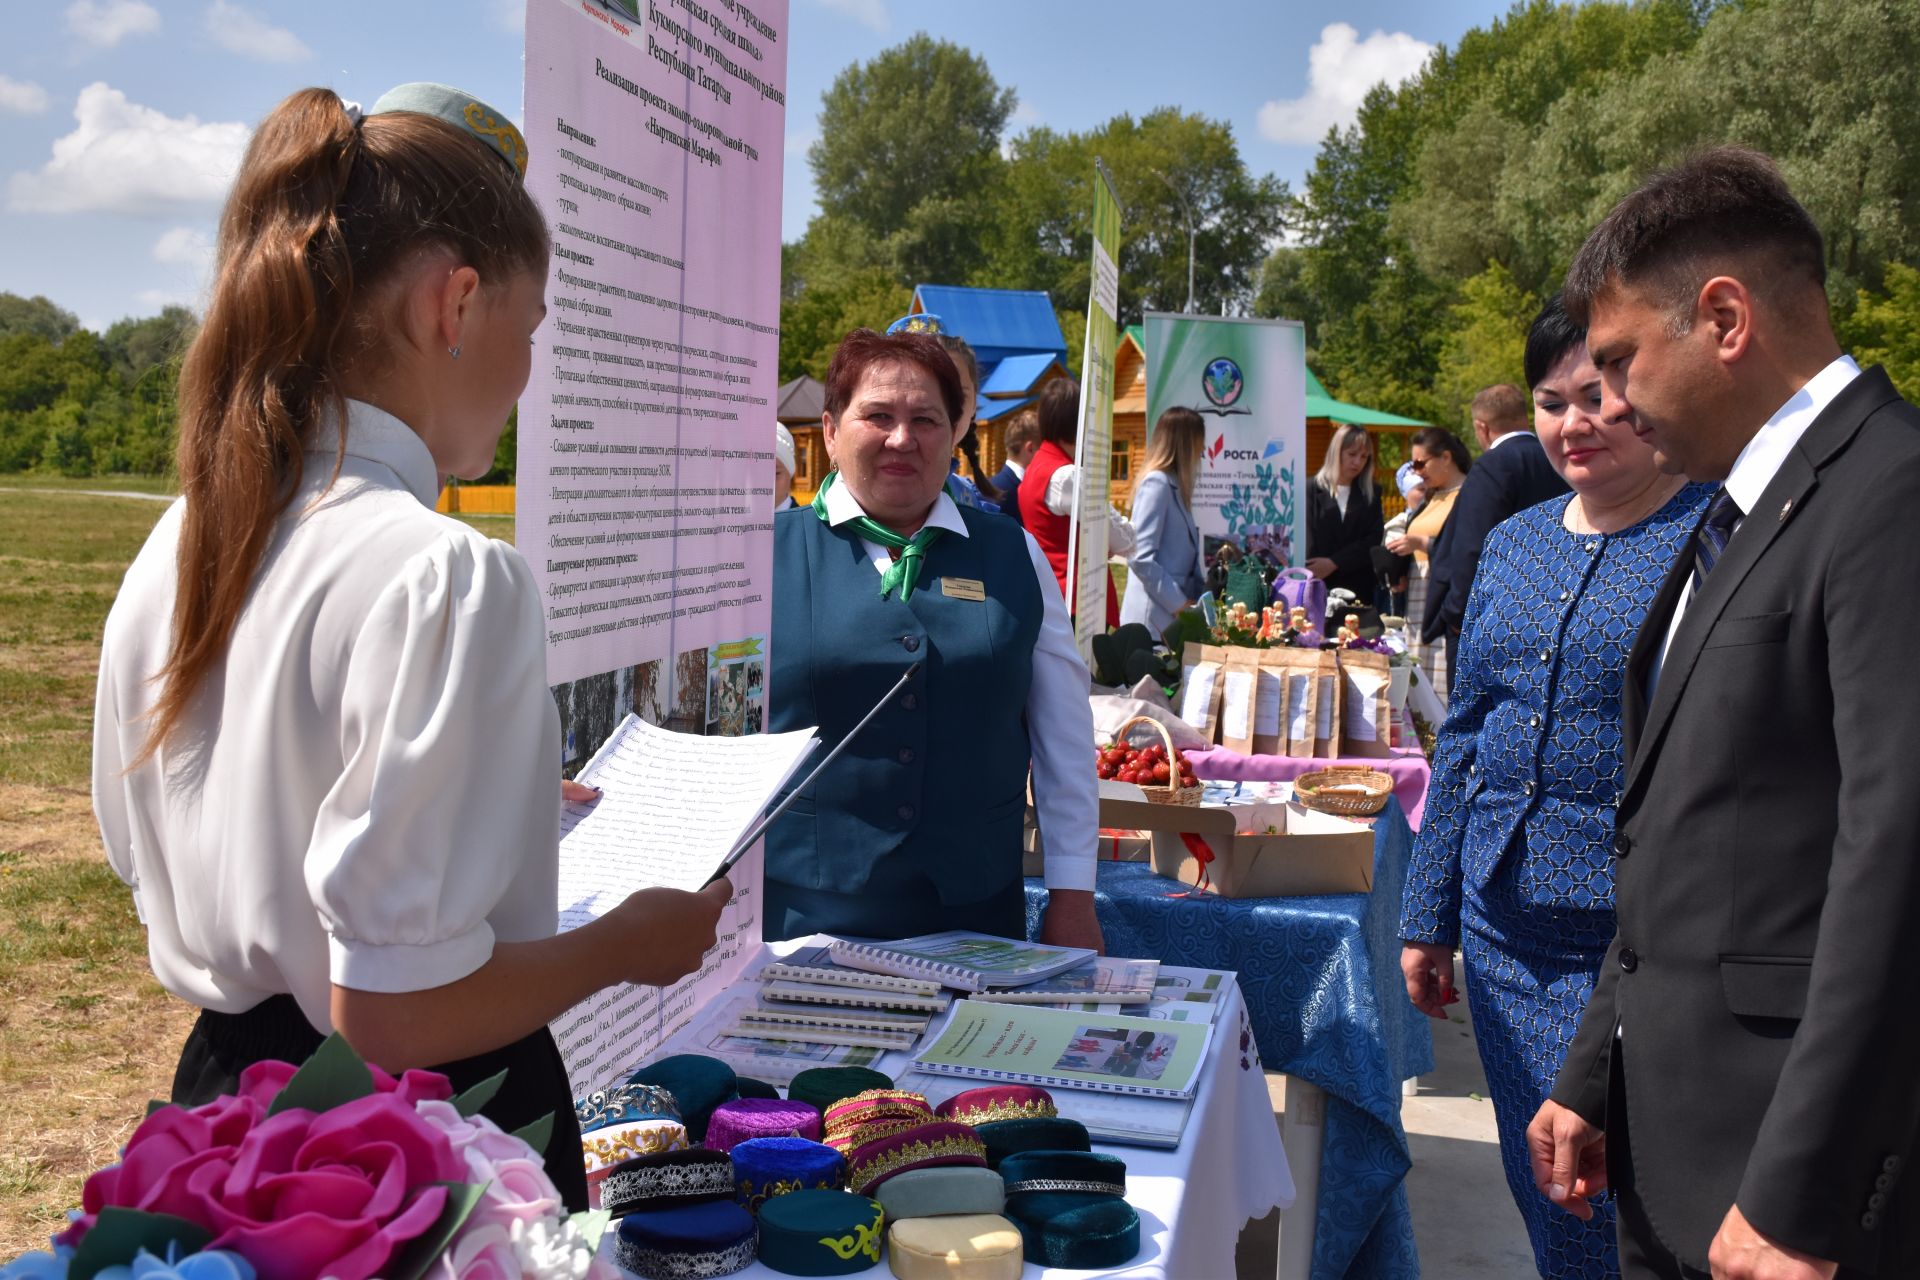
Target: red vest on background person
(1054, 532)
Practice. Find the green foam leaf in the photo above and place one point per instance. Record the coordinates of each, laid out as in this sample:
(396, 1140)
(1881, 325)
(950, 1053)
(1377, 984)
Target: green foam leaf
(536, 1134)
(332, 1077)
(117, 1235)
(471, 1102)
(592, 1224)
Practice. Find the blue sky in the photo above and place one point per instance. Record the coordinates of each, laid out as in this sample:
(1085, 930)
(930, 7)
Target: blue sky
(120, 119)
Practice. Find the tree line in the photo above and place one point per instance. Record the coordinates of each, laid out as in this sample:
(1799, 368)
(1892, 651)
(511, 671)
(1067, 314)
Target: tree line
(1422, 241)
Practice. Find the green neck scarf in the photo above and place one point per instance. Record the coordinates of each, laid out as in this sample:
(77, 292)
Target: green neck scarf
(905, 570)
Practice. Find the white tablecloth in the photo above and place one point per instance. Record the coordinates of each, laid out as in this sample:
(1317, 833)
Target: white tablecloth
(1228, 1169)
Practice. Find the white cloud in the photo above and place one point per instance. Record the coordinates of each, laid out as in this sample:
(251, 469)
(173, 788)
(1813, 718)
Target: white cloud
(871, 14)
(126, 158)
(798, 143)
(246, 33)
(189, 246)
(1341, 67)
(108, 22)
(1023, 118)
(22, 96)
(160, 299)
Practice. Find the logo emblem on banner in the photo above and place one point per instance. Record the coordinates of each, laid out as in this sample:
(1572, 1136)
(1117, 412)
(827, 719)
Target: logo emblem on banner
(1223, 384)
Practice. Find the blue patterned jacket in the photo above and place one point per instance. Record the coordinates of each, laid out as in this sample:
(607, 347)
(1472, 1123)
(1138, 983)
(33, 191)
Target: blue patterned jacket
(1528, 765)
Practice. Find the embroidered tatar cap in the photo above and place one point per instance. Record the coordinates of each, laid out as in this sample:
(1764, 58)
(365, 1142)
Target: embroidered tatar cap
(1069, 1208)
(874, 1106)
(941, 1192)
(715, 1239)
(624, 1102)
(824, 1086)
(462, 110)
(610, 1146)
(736, 1121)
(1005, 1137)
(767, 1167)
(821, 1233)
(698, 1083)
(923, 1147)
(998, 1102)
(925, 322)
(667, 1179)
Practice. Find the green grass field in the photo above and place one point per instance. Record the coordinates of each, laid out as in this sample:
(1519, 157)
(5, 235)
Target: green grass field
(86, 1035)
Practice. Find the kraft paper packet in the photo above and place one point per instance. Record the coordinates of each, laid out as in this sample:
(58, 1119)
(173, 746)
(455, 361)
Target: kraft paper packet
(1239, 683)
(1200, 690)
(1367, 679)
(1326, 731)
(1298, 671)
(1269, 706)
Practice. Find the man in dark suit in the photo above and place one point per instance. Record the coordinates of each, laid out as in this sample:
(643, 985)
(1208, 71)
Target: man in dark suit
(1747, 1075)
(1511, 475)
(1022, 441)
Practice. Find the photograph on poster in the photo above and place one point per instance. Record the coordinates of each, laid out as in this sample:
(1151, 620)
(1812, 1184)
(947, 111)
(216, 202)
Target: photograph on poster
(593, 706)
(737, 687)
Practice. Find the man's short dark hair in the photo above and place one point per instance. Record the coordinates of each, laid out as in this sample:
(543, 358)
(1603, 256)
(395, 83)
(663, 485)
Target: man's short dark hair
(1685, 225)
(1502, 407)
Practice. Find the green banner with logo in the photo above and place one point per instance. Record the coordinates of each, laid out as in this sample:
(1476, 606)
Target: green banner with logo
(1093, 446)
(1248, 381)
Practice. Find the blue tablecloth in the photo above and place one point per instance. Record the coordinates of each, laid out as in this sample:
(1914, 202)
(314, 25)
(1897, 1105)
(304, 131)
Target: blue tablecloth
(1322, 983)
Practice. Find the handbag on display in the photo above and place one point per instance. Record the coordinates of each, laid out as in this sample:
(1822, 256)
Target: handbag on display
(1299, 589)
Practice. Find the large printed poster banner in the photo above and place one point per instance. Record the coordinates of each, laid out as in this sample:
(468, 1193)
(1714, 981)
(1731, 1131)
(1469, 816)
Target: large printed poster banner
(1248, 381)
(656, 134)
(1093, 448)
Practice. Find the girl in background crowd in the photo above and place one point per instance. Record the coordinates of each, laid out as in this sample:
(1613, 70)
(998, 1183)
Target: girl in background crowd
(1166, 573)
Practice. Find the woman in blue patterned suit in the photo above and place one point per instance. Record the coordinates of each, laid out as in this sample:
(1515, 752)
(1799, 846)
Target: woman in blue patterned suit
(1514, 861)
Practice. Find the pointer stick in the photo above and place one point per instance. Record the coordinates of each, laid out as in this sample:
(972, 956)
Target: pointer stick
(759, 828)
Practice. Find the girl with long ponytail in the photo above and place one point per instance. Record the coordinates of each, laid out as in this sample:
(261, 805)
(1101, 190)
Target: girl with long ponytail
(325, 757)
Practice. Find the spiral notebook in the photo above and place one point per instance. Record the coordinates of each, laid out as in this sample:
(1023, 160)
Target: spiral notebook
(960, 959)
(1068, 1049)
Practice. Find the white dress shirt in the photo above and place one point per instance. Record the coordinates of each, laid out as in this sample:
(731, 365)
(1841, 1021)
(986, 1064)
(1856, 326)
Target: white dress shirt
(365, 791)
(1061, 495)
(1059, 717)
(1505, 436)
(1760, 462)
(1018, 468)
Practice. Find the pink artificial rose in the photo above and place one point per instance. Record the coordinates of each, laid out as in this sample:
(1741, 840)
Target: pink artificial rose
(485, 1254)
(167, 1145)
(475, 1139)
(263, 1082)
(299, 1195)
(517, 1186)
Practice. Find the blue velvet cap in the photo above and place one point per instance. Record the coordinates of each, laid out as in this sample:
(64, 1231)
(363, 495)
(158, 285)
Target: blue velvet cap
(1069, 1208)
(821, 1233)
(714, 1239)
(768, 1167)
(1094, 1172)
(698, 1083)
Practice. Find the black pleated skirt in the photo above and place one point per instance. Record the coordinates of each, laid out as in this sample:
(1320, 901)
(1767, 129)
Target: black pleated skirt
(222, 1045)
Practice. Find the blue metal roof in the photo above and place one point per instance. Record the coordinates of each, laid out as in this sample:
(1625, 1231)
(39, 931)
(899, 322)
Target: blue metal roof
(994, 410)
(1015, 376)
(996, 323)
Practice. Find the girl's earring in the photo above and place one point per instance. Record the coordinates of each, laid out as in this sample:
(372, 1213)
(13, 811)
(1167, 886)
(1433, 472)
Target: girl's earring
(454, 352)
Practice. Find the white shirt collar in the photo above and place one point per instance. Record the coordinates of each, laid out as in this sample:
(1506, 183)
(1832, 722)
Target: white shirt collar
(1760, 461)
(1505, 436)
(842, 506)
(378, 436)
(1018, 468)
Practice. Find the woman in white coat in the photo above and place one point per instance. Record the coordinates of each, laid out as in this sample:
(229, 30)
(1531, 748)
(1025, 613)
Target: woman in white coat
(1166, 571)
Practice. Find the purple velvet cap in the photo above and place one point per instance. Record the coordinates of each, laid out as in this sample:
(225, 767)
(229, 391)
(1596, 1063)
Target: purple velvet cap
(743, 1118)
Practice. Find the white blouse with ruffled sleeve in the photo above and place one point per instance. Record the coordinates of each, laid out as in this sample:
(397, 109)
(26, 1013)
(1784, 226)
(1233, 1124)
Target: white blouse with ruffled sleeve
(365, 791)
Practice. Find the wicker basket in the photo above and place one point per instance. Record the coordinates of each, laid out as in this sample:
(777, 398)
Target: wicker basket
(1349, 791)
(1173, 792)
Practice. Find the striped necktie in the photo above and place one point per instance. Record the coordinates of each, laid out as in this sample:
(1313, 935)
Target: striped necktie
(1710, 540)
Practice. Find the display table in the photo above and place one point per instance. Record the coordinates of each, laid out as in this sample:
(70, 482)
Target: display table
(1407, 766)
(1321, 979)
(1192, 1201)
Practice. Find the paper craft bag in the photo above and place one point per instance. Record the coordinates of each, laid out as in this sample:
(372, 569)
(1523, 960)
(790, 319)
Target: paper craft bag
(1270, 706)
(1200, 691)
(1239, 681)
(1367, 723)
(1326, 731)
(1297, 670)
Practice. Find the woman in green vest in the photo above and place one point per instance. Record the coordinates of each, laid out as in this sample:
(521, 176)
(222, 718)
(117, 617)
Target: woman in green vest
(917, 826)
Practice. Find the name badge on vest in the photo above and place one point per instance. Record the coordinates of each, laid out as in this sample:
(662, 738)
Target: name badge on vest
(963, 588)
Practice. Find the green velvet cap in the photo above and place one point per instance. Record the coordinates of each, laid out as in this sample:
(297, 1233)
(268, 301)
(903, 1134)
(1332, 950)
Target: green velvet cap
(1005, 1137)
(698, 1083)
(751, 1088)
(824, 1086)
(493, 129)
(1075, 1229)
(820, 1233)
(941, 1192)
